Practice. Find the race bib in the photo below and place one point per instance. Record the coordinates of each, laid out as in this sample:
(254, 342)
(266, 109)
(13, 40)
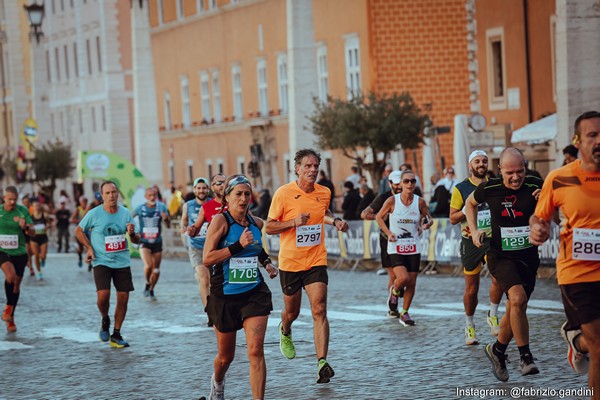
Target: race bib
(9, 242)
(40, 229)
(516, 238)
(115, 243)
(203, 229)
(586, 244)
(150, 232)
(484, 220)
(243, 269)
(308, 235)
(406, 246)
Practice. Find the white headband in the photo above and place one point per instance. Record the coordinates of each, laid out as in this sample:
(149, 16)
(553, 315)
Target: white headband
(476, 153)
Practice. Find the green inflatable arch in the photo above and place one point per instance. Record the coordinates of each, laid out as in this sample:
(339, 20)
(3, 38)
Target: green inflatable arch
(105, 165)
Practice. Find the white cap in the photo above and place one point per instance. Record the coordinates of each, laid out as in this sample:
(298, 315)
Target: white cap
(476, 153)
(395, 177)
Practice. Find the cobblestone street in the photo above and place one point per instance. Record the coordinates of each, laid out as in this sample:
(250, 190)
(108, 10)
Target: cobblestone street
(56, 354)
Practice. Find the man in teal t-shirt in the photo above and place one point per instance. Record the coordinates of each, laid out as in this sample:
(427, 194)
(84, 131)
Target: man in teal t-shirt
(14, 221)
(107, 226)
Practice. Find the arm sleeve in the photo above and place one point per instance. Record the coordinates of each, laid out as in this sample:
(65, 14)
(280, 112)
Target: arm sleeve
(479, 193)
(456, 201)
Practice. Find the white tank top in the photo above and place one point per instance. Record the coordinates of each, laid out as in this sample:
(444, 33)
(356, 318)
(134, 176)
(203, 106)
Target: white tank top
(404, 221)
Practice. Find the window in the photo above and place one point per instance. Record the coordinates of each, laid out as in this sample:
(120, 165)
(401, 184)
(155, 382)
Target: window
(216, 87)
(167, 110)
(57, 64)
(52, 124)
(263, 103)
(553, 54)
(160, 8)
(99, 51)
(352, 66)
(103, 112)
(261, 46)
(180, 12)
(62, 5)
(212, 4)
(236, 79)
(75, 60)
(66, 51)
(322, 74)
(220, 164)
(205, 96)
(53, 6)
(171, 171)
(93, 119)
(199, 6)
(209, 168)
(185, 101)
(241, 165)
(89, 56)
(282, 77)
(496, 68)
(80, 120)
(48, 70)
(190, 171)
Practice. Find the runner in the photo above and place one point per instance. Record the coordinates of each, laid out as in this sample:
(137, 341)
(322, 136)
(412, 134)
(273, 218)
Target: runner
(26, 203)
(512, 259)
(194, 222)
(298, 213)
(372, 209)
(408, 216)
(76, 218)
(239, 297)
(108, 252)
(150, 216)
(472, 257)
(574, 190)
(62, 217)
(39, 242)
(14, 219)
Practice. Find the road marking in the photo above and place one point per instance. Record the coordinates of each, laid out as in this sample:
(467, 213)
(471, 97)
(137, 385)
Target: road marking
(71, 333)
(13, 346)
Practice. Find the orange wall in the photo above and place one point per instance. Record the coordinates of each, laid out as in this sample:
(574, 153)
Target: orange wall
(421, 47)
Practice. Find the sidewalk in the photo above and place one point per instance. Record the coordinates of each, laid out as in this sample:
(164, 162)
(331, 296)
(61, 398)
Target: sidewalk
(56, 353)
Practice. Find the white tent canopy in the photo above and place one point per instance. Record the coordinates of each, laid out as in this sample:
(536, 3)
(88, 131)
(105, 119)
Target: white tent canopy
(541, 131)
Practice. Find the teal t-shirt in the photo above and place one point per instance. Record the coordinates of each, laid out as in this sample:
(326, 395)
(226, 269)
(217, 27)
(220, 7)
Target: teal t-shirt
(108, 236)
(12, 238)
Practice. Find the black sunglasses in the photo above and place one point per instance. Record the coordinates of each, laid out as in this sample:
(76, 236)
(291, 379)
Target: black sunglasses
(407, 181)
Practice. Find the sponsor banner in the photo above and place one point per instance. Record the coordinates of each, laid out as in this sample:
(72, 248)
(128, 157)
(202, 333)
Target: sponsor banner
(440, 243)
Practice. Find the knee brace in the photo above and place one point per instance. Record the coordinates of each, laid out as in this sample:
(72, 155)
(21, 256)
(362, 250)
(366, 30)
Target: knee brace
(156, 271)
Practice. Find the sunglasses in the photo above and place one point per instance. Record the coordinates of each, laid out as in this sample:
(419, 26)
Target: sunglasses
(218, 183)
(407, 181)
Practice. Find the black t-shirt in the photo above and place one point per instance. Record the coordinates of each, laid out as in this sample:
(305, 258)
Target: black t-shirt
(510, 211)
(377, 204)
(62, 218)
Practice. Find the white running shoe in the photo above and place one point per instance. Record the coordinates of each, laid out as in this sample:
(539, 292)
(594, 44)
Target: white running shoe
(494, 323)
(470, 336)
(579, 361)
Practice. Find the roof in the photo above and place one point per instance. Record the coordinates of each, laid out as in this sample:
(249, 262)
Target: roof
(541, 131)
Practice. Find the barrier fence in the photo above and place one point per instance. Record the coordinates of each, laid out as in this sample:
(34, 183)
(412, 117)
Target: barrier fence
(440, 243)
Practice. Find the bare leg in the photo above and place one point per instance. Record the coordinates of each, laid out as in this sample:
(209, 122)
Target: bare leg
(317, 295)
(255, 328)
(590, 341)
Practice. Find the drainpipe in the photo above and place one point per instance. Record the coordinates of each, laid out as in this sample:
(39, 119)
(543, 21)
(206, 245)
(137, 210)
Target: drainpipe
(527, 63)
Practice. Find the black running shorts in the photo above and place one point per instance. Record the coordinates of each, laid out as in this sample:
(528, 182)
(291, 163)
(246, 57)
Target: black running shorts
(411, 262)
(227, 313)
(472, 256)
(19, 262)
(153, 247)
(510, 271)
(291, 282)
(581, 302)
(386, 262)
(40, 239)
(121, 278)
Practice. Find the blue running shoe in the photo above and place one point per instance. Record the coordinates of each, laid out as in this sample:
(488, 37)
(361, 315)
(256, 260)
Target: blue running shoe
(116, 340)
(104, 329)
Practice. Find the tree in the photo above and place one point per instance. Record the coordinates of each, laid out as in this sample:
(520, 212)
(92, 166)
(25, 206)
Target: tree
(368, 129)
(53, 161)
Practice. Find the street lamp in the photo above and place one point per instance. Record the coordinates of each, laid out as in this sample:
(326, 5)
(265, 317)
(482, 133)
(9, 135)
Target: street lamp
(35, 12)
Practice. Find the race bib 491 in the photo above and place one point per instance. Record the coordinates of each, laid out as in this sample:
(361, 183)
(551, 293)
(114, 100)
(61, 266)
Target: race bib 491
(115, 243)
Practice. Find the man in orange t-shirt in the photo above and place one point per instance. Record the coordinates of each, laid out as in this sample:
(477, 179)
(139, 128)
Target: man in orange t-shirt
(299, 210)
(574, 190)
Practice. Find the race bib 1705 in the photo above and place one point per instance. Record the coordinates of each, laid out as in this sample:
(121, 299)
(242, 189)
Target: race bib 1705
(243, 270)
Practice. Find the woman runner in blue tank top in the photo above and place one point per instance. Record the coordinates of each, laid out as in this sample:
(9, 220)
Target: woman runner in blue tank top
(239, 297)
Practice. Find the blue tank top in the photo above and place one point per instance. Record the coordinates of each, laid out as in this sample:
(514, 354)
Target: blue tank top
(150, 219)
(238, 274)
(193, 208)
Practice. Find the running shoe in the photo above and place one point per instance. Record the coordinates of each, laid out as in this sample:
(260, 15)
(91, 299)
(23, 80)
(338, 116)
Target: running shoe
(152, 296)
(80, 263)
(286, 345)
(147, 290)
(392, 300)
(579, 361)
(494, 324)
(116, 340)
(7, 313)
(393, 314)
(10, 325)
(498, 363)
(324, 371)
(470, 336)
(217, 392)
(406, 320)
(39, 276)
(527, 365)
(31, 272)
(104, 329)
